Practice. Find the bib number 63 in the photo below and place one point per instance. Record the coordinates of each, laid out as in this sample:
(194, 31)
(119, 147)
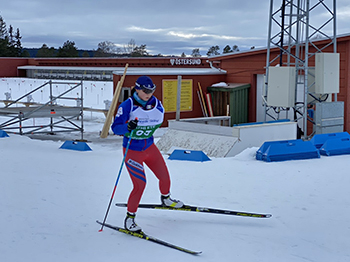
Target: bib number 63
(144, 133)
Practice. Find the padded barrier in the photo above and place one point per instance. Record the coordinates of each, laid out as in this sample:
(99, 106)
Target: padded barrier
(287, 150)
(189, 155)
(3, 133)
(319, 140)
(75, 145)
(336, 146)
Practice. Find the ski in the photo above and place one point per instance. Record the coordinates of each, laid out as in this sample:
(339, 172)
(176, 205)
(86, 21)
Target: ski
(149, 238)
(201, 209)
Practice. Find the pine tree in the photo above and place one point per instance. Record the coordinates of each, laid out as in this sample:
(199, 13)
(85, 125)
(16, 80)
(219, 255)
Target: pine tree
(10, 43)
(196, 53)
(227, 49)
(139, 51)
(68, 50)
(3, 31)
(214, 50)
(11, 37)
(18, 38)
(235, 48)
(4, 41)
(4, 47)
(17, 43)
(45, 51)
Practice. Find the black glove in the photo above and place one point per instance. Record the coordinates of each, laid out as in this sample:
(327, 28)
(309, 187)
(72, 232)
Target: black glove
(132, 124)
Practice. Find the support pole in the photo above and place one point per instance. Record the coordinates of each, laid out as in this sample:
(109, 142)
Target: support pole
(178, 98)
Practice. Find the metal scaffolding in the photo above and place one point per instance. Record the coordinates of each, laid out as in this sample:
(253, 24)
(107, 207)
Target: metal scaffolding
(295, 27)
(22, 109)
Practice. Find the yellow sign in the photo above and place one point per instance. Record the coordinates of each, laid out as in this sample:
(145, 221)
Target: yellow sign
(170, 95)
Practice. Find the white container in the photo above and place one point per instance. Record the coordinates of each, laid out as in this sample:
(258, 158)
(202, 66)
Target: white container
(327, 73)
(281, 86)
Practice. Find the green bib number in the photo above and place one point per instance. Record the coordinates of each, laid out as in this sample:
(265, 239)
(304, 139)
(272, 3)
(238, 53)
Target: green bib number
(144, 132)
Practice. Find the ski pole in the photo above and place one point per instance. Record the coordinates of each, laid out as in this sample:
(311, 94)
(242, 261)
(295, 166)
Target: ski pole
(116, 183)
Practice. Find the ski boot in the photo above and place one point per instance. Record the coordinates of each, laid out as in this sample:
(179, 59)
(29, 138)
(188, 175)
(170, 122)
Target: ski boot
(129, 223)
(169, 202)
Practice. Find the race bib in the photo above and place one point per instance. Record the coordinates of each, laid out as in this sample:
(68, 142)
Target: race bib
(143, 132)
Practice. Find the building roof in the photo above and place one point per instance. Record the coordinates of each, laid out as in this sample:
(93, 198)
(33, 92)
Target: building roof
(170, 71)
(132, 70)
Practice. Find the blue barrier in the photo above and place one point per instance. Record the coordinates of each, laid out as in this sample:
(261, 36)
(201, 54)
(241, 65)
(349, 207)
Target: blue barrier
(3, 133)
(75, 145)
(319, 140)
(336, 146)
(287, 150)
(189, 155)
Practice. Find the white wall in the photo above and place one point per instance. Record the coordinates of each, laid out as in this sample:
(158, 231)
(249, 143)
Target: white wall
(221, 141)
(255, 135)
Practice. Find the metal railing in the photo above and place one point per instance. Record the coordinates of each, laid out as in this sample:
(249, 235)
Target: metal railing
(57, 114)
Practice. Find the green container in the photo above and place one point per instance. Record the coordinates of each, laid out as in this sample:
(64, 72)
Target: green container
(236, 96)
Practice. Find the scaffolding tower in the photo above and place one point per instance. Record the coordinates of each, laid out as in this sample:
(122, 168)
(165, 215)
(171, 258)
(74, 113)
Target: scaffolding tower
(295, 29)
(60, 117)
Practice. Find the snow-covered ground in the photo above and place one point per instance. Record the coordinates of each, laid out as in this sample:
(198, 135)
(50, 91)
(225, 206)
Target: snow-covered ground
(50, 199)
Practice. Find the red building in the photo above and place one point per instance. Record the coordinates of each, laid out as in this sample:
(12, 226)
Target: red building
(243, 69)
(248, 67)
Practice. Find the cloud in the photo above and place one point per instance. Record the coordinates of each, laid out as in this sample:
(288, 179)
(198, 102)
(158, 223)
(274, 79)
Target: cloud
(165, 26)
(212, 36)
(141, 29)
(189, 38)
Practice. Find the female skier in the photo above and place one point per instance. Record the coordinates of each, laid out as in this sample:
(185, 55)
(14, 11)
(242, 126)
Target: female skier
(142, 113)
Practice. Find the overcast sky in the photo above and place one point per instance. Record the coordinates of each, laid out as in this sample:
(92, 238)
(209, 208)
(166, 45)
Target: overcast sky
(164, 26)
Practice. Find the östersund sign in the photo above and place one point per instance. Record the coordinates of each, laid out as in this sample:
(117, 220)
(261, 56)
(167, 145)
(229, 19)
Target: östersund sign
(185, 61)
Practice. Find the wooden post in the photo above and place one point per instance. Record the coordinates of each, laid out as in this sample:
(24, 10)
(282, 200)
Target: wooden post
(202, 97)
(110, 114)
(210, 107)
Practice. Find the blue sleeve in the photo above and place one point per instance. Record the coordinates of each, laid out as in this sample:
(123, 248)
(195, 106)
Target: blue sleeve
(160, 106)
(120, 124)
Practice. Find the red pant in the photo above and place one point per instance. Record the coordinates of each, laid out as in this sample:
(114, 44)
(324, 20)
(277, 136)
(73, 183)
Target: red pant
(134, 163)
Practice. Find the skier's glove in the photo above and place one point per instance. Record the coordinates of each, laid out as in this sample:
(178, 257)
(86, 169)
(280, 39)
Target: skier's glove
(132, 124)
